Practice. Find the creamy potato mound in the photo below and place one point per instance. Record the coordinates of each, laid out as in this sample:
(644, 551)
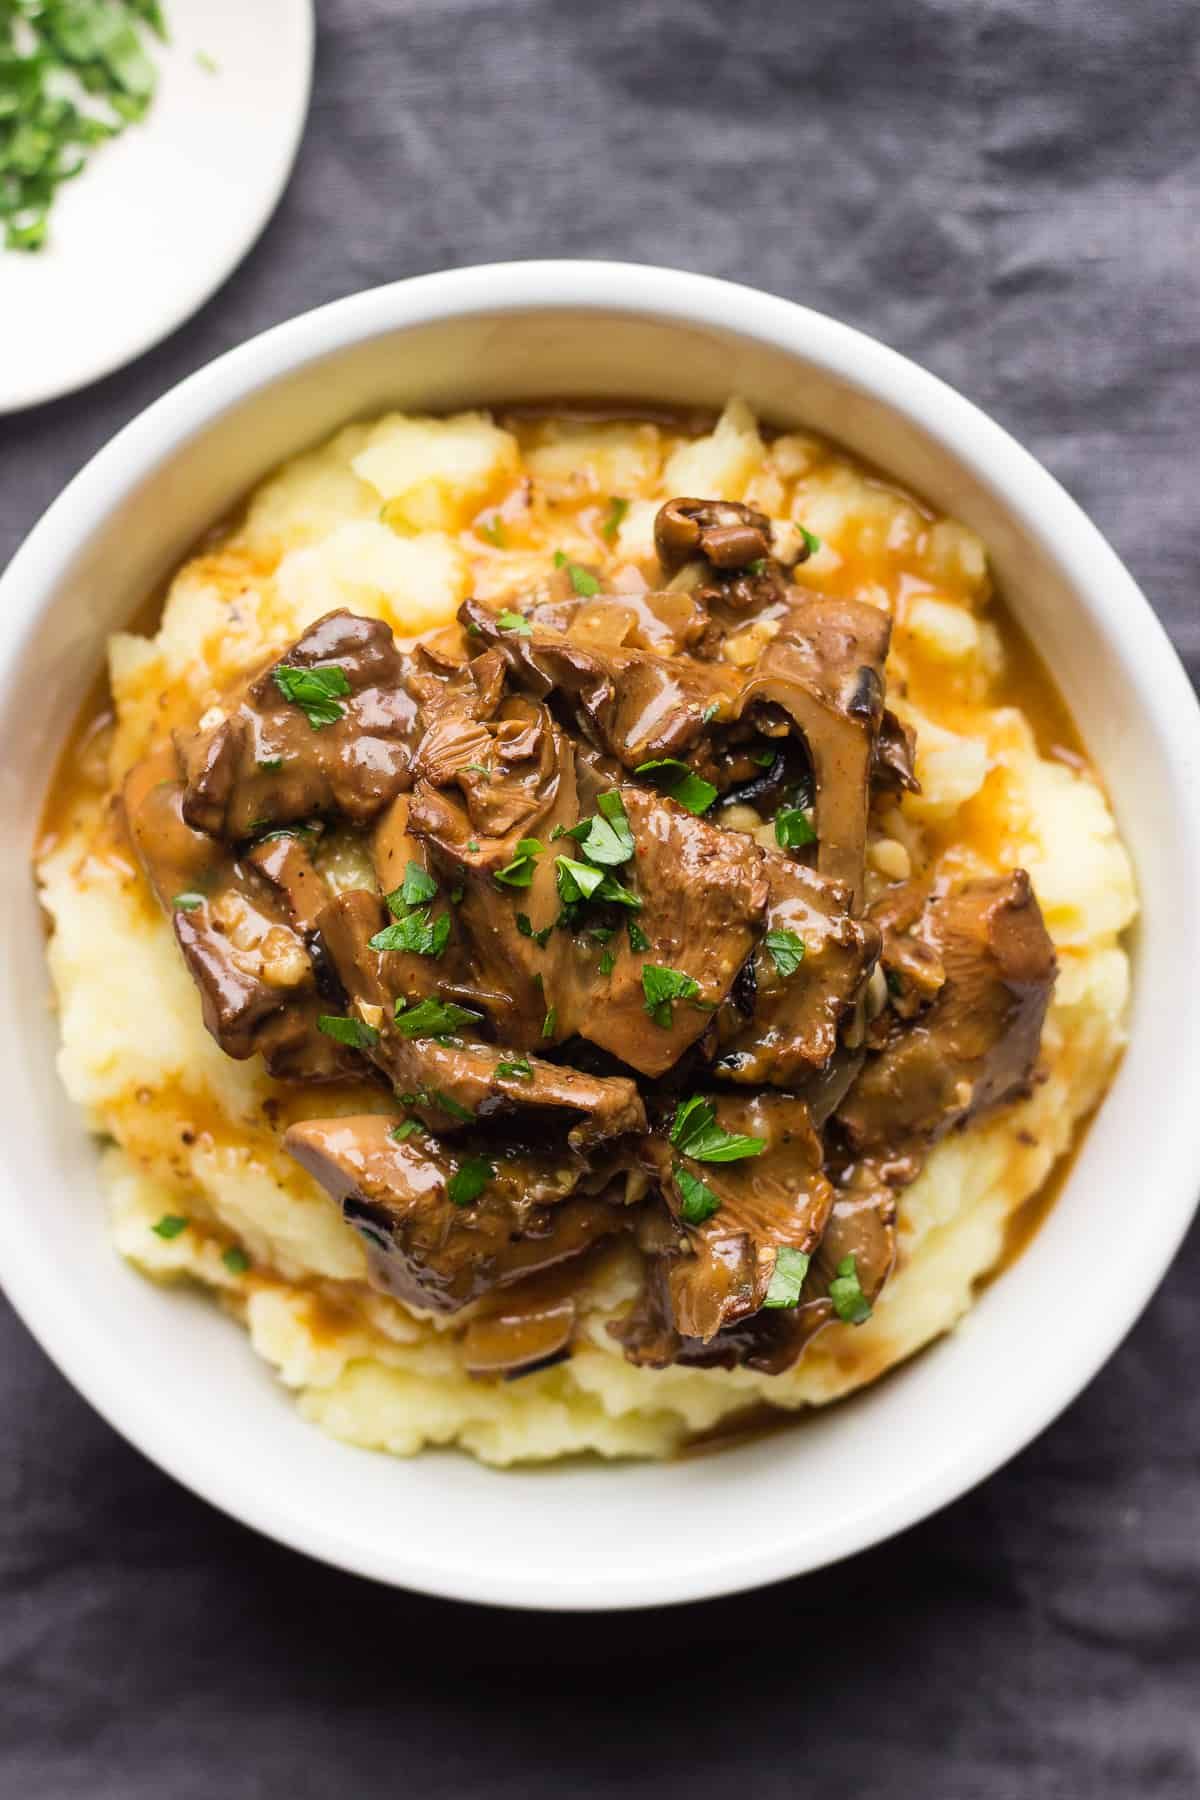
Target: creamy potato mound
(401, 520)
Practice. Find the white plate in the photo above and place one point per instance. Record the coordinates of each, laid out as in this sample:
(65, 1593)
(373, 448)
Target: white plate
(161, 215)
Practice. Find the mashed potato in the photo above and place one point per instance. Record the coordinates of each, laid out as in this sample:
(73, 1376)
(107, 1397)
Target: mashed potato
(402, 519)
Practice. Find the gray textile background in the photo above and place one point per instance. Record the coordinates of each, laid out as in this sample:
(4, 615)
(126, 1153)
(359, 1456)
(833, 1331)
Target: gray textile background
(1008, 190)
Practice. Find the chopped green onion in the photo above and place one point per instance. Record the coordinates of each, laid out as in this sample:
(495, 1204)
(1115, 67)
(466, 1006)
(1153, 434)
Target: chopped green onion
(235, 1260)
(188, 901)
(170, 1226)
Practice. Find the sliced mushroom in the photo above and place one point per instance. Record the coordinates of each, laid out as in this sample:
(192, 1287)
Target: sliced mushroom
(424, 1246)
(266, 759)
(824, 668)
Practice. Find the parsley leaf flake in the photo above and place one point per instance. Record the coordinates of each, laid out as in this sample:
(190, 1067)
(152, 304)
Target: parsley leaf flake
(314, 691)
(695, 1132)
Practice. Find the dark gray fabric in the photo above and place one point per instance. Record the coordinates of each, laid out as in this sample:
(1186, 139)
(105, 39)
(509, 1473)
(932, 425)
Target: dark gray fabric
(1009, 192)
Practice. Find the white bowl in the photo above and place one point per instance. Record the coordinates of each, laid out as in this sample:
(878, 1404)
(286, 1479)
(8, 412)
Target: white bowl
(178, 1379)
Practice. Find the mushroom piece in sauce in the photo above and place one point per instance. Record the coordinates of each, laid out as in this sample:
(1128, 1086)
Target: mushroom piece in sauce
(595, 1007)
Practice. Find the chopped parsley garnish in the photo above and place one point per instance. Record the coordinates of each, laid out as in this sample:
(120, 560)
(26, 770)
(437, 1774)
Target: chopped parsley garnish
(307, 832)
(812, 542)
(403, 1132)
(697, 1201)
(271, 765)
(525, 927)
(764, 758)
(473, 845)
(519, 872)
(662, 987)
(710, 712)
(786, 951)
(637, 937)
(612, 524)
(235, 1260)
(522, 1069)
(188, 901)
(584, 583)
(787, 1279)
(469, 1180)
(793, 829)
(550, 1023)
(845, 1290)
(608, 839)
(416, 889)
(690, 791)
(416, 932)
(758, 566)
(72, 53)
(170, 1226)
(448, 1104)
(515, 621)
(694, 793)
(314, 691)
(493, 531)
(476, 769)
(695, 1132)
(607, 963)
(577, 880)
(611, 889)
(432, 1018)
(354, 1033)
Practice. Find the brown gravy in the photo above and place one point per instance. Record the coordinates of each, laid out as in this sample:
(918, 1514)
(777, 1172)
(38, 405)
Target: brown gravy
(80, 775)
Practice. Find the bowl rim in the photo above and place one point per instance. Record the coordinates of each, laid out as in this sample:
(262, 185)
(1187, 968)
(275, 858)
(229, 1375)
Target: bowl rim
(1027, 490)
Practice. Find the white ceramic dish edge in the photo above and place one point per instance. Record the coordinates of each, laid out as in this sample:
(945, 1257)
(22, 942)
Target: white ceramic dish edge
(1087, 1325)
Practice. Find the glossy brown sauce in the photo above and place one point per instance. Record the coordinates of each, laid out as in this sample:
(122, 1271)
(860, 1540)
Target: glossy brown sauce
(80, 778)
